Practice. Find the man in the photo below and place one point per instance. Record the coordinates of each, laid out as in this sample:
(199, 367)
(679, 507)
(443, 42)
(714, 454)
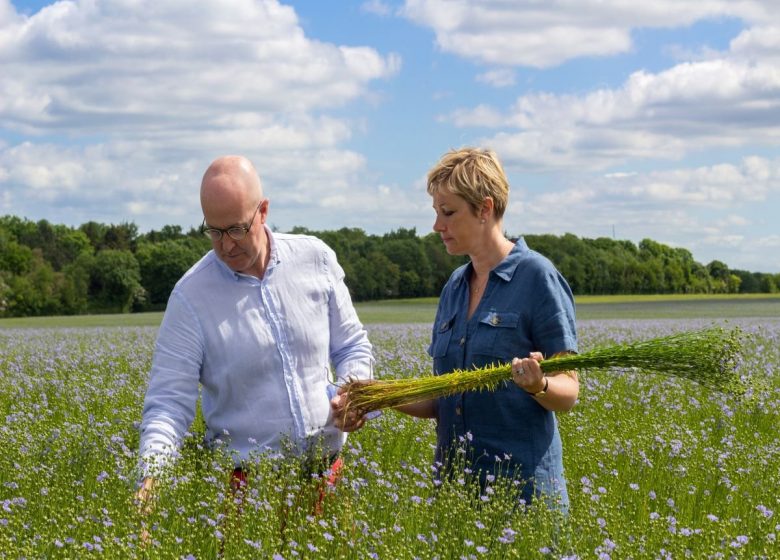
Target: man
(257, 323)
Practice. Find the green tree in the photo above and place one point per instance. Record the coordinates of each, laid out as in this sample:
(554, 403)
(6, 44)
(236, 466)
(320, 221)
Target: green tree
(166, 233)
(121, 237)
(720, 274)
(769, 284)
(162, 264)
(34, 292)
(374, 277)
(76, 284)
(95, 232)
(22, 230)
(404, 248)
(15, 259)
(115, 281)
(68, 244)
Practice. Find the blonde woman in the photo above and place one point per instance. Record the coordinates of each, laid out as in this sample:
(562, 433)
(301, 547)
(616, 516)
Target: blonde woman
(508, 304)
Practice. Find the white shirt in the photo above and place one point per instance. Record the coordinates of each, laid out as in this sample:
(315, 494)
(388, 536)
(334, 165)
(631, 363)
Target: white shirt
(261, 350)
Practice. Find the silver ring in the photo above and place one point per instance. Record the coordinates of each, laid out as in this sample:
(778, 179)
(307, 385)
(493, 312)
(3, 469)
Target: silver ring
(520, 371)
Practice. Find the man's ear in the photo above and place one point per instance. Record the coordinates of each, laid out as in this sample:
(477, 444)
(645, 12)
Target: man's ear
(264, 210)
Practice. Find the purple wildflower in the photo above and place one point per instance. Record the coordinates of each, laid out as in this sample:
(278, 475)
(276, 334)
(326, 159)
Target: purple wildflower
(763, 510)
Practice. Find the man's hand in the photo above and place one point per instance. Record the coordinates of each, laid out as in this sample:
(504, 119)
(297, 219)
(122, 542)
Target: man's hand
(144, 501)
(347, 418)
(144, 496)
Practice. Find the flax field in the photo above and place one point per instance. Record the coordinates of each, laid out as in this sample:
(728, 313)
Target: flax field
(657, 467)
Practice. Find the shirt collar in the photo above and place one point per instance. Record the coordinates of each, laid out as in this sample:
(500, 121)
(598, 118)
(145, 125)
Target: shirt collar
(505, 269)
(272, 261)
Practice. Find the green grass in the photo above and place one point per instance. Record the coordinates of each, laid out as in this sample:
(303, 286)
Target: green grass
(82, 321)
(639, 298)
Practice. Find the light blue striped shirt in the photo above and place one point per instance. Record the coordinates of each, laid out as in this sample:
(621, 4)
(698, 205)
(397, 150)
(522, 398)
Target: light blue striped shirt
(261, 350)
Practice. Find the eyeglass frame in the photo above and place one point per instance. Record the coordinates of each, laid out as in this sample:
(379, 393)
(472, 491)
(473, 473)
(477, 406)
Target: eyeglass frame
(244, 229)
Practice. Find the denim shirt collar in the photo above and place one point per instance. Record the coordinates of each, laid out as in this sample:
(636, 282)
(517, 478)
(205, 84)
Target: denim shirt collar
(504, 270)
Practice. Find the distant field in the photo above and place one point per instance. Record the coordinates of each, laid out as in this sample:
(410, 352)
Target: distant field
(422, 310)
(678, 307)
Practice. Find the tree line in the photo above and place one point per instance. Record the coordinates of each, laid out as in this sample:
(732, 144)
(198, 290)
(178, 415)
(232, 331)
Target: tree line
(50, 269)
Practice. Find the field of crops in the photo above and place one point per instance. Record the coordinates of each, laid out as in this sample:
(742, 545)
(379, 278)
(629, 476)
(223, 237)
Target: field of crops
(657, 467)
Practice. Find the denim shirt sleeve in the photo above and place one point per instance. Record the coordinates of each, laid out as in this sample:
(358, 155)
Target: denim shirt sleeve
(553, 323)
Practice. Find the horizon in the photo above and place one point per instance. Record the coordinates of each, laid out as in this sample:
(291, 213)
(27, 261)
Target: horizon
(656, 122)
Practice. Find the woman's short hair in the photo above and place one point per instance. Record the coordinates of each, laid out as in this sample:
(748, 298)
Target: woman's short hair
(473, 174)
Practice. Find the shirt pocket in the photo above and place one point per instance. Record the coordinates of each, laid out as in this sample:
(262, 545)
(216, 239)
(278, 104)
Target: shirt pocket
(496, 335)
(442, 335)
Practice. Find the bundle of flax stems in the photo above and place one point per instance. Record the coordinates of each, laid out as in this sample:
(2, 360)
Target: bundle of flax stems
(708, 357)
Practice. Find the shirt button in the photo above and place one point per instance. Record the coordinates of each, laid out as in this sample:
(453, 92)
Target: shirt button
(463, 341)
(457, 410)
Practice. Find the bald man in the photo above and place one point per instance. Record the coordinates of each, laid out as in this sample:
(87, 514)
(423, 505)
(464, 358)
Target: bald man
(258, 323)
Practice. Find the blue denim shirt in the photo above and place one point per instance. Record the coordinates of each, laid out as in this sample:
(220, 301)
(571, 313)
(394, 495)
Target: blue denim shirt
(527, 306)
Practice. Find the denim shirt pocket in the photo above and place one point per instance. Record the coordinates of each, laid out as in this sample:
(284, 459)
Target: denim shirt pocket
(441, 337)
(496, 334)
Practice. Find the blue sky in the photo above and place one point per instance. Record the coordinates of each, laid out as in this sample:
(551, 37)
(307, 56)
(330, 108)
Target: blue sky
(619, 119)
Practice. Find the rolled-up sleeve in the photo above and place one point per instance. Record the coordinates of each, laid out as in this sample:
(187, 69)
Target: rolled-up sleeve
(554, 325)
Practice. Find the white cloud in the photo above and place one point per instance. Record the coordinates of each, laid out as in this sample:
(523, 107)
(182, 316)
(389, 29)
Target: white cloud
(704, 209)
(687, 108)
(710, 210)
(124, 104)
(377, 7)
(100, 65)
(718, 186)
(769, 242)
(759, 42)
(479, 116)
(545, 34)
(500, 77)
(719, 100)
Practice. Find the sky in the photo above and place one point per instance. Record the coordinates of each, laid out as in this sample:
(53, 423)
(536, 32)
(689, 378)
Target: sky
(612, 118)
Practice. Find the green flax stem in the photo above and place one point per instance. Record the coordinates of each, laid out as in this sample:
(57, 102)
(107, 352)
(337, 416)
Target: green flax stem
(708, 357)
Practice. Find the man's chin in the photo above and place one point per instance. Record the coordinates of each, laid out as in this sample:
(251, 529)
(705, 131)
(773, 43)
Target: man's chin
(236, 264)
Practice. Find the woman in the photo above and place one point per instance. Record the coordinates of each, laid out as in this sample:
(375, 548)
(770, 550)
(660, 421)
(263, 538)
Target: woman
(508, 304)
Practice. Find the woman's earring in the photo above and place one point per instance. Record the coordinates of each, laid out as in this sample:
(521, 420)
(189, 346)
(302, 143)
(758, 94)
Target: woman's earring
(483, 221)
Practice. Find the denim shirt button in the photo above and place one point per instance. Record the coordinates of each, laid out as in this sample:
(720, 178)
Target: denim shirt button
(457, 410)
(462, 341)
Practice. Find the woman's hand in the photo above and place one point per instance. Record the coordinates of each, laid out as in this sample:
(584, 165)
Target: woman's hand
(527, 373)
(561, 388)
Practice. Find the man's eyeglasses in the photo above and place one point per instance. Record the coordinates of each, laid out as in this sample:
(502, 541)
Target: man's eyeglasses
(236, 233)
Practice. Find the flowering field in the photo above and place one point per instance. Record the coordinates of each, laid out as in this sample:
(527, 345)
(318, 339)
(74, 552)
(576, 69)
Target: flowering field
(657, 467)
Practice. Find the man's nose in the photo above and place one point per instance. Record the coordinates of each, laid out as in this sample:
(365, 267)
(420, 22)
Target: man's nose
(227, 242)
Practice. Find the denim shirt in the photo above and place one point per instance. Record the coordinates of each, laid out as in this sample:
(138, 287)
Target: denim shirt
(527, 306)
(261, 350)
